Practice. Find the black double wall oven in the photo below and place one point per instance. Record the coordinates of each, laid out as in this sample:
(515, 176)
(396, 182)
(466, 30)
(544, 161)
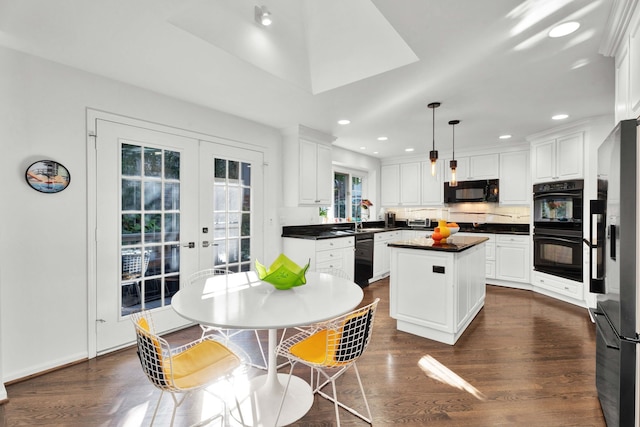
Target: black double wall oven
(557, 228)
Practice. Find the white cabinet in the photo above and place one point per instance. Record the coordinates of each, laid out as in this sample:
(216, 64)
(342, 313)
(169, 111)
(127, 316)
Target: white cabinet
(400, 184)
(435, 294)
(515, 187)
(389, 185)
(307, 177)
(490, 252)
(557, 286)
(432, 185)
(316, 183)
(512, 258)
(558, 159)
(485, 166)
(335, 253)
(381, 252)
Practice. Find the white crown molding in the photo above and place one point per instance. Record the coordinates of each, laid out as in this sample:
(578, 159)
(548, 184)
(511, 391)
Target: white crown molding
(617, 24)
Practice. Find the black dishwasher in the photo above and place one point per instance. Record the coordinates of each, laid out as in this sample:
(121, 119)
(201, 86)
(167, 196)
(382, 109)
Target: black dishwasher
(364, 258)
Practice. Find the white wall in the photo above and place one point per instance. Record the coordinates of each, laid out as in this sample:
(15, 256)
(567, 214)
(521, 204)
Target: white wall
(43, 277)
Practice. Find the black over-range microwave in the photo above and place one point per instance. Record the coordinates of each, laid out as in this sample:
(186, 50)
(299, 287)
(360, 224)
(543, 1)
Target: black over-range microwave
(485, 190)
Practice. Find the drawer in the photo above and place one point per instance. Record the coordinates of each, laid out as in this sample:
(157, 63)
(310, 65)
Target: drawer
(325, 256)
(329, 244)
(559, 285)
(512, 239)
(386, 236)
(332, 263)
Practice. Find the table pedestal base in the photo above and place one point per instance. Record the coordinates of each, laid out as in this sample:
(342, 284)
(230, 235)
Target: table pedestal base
(260, 406)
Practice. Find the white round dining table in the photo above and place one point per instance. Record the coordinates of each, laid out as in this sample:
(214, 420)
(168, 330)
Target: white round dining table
(243, 301)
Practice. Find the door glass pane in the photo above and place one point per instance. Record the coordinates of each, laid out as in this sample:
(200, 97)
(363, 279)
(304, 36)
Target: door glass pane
(232, 215)
(172, 195)
(131, 195)
(152, 195)
(152, 162)
(172, 165)
(150, 230)
(131, 160)
(172, 227)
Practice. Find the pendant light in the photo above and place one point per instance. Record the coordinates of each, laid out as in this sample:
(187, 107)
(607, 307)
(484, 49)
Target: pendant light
(433, 154)
(453, 164)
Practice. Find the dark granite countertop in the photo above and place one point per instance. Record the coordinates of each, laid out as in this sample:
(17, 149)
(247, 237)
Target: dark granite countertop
(346, 229)
(452, 244)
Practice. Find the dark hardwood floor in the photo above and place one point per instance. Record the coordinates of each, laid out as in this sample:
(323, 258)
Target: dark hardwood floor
(532, 357)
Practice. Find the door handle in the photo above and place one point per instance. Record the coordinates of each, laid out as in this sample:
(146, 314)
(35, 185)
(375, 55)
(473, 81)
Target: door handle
(596, 284)
(190, 245)
(205, 244)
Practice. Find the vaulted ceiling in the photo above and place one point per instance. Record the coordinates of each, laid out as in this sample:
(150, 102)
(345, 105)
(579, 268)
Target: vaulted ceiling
(378, 63)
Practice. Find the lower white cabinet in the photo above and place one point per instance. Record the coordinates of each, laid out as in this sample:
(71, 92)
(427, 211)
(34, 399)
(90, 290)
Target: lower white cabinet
(553, 285)
(490, 252)
(382, 253)
(512, 258)
(436, 294)
(335, 253)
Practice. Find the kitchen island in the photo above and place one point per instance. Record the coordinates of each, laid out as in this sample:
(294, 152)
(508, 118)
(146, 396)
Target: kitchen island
(437, 289)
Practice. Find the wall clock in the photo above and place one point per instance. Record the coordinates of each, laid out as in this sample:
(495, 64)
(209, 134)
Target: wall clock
(47, 176)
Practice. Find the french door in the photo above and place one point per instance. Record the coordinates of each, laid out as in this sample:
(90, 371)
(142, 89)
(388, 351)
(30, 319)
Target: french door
(167, 205)
(231, 201)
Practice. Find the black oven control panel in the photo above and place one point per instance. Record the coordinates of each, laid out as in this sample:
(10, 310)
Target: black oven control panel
(547, 187)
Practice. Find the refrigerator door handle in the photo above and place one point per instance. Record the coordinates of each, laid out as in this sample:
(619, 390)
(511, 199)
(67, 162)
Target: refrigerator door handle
(612, 241)
(607, 334)
(596, 284)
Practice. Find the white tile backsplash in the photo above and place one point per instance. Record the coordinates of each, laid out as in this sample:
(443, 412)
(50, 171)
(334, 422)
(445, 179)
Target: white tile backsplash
(469, 212)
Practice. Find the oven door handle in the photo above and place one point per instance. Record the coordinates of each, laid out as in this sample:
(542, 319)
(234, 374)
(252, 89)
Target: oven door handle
(547, 195)
(596, 284)
(554, 238)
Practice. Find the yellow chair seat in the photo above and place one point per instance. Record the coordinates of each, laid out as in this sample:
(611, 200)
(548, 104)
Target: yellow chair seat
(312, 349)
(199, 364)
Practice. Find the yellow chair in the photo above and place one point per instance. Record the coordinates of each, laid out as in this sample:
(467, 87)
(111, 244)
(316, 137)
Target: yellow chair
(187, 368)
(330, 348)
(226, 334)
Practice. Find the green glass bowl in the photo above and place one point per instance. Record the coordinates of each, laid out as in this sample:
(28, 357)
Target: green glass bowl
(283, 273)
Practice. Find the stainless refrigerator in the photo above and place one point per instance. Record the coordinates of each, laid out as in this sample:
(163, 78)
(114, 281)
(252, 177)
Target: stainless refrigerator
(613, 243)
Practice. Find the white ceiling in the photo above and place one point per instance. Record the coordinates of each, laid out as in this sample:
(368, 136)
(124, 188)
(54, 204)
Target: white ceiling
(376, 62)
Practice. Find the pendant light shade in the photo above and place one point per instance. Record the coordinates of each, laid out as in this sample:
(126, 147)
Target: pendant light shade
(433, 154)
(453, 164)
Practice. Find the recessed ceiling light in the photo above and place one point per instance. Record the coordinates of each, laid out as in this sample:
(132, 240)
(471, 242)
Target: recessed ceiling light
(363, 148)
(344, 122)
(408, 149)
(504, 136)
(382, 138)
(559, 117)
(375, 152)
(564, 29)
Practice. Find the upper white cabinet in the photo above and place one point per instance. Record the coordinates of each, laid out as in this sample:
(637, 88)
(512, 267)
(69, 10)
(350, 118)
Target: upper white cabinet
(400, 184)
(558, 159)
(484, 166)
(515, 188)
(308, 173)
(622, 41)
(315, 173)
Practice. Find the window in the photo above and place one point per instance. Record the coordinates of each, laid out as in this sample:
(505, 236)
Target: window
(348, 189)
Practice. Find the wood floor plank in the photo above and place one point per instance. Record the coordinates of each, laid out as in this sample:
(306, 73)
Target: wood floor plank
(532, 357)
